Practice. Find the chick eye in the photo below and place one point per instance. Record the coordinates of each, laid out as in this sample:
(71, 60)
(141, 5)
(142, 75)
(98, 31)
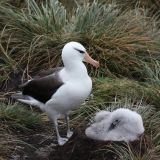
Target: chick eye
(114, 124)
(80, 51)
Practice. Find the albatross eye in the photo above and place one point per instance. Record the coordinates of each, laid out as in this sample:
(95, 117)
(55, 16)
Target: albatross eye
(80, 51)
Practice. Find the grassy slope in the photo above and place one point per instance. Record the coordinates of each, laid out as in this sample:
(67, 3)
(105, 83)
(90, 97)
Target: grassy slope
(110, 94)
(33, 37)
(18, 121)
(126, 43)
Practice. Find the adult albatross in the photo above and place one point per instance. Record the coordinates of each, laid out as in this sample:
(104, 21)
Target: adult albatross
(63, 90)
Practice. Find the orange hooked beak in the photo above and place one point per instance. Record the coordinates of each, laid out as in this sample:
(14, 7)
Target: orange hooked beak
(90, 60)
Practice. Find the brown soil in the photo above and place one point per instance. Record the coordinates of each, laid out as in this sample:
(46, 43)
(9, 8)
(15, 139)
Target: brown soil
(44, 147)
(79, 147)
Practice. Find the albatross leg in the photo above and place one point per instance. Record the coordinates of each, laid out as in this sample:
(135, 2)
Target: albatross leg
(53, 115)
(69, 132)
(61, 141)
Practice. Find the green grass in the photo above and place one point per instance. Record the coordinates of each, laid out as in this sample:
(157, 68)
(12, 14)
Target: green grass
(152, 73)
(16, 121)
(125, 42)
(16, 117)
(109, 94)
(107, 89)
(119, 40)
(114, 91)
(153, 5)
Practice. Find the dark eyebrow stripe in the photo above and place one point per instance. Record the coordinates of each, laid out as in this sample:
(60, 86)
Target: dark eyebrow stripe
(79, 50)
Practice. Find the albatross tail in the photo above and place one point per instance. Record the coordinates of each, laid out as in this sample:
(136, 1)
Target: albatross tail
(27, 100)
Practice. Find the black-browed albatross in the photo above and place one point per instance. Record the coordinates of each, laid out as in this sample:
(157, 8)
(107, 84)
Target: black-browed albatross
(62, 90)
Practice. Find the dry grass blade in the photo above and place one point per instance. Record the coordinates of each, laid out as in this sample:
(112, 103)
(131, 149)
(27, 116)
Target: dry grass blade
(118, 39)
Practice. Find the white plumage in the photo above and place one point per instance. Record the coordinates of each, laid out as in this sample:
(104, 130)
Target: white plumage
(62, 91)
(120, 125)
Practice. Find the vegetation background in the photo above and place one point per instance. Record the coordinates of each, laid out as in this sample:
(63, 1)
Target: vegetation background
(124, 35)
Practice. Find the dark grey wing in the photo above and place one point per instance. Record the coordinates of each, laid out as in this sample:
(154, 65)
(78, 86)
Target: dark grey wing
(42, 74)
(42, 88)
(48, 72)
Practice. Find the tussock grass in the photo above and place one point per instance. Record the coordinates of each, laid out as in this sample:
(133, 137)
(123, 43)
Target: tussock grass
(152, 73)
(7, 63)
(153, 5)
(14, 117)
(119, 40)
(107, 89)
(126, 44)
(118, 93)
(15, 121)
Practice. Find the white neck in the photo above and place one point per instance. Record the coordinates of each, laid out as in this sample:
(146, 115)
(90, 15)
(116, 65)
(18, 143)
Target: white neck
(75, 70)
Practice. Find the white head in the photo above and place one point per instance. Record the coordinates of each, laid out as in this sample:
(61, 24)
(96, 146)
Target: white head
(101, 115)
(74, 52)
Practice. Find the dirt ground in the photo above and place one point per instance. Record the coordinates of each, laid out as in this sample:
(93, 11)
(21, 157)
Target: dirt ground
(44, 147)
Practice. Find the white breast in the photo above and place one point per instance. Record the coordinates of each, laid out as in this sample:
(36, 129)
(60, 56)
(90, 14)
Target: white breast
(73, 93)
